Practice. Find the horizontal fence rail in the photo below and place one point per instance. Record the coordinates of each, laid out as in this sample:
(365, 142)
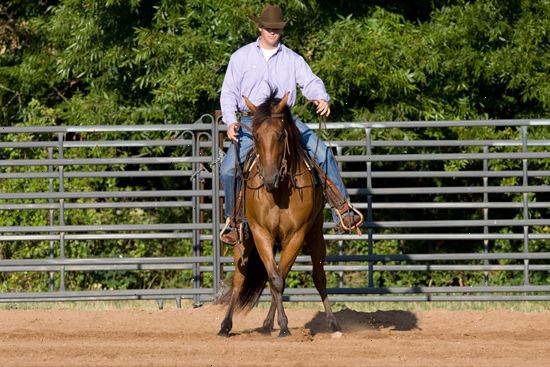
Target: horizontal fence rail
(87, 208)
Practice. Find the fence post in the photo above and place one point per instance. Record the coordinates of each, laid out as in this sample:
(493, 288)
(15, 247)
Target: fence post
(486, 211)
(369, 205)
(216, 250)
(51, 218)
(525, 205)
(61, 168)
(197, 217)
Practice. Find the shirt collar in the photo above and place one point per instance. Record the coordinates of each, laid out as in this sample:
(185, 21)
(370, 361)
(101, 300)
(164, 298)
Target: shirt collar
(279, 47)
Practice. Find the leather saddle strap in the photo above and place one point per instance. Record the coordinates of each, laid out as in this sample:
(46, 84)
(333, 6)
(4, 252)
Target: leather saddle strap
(332, 194)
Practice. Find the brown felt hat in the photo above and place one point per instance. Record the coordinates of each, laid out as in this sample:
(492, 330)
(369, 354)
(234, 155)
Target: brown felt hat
(271, 17)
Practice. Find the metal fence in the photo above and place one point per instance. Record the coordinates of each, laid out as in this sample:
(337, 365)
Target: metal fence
(411, 189)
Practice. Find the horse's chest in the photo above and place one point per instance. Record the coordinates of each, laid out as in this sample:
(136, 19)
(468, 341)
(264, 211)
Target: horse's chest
(296, 201)
(282, 209)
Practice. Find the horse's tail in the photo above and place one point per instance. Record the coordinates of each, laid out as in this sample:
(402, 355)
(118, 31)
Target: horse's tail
(254, 282)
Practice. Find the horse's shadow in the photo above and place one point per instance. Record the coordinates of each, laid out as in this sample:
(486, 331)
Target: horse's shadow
(353, 321)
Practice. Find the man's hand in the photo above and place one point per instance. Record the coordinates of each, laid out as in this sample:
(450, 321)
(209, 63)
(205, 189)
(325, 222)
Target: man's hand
(322, 107)
(233, 131)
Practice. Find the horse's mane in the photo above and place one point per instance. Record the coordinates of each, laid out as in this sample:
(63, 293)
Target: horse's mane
(263, 114)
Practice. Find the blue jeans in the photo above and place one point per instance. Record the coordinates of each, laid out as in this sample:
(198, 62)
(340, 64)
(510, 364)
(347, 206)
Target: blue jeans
(321, 153)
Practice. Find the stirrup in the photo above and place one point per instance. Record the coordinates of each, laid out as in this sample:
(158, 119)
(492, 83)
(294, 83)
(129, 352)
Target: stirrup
(348, 211)
(230, 238)
(230, 234)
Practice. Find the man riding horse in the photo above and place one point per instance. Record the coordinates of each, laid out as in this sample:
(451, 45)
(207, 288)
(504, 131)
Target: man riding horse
(255, 71)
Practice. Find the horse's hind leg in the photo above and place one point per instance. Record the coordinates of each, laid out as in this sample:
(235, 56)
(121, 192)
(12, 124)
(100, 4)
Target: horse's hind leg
(318, 251)
(238, 280)
(227, 322)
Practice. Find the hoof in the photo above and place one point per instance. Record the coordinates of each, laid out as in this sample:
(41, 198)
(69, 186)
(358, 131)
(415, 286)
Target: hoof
(223, 333)
(284, 333)
(334, 326)
(225, 327)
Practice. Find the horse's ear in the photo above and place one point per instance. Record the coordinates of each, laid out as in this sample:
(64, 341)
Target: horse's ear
(249, 104)
(282, 104)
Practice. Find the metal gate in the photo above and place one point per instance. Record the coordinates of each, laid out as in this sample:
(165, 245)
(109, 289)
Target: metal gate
(502, 181)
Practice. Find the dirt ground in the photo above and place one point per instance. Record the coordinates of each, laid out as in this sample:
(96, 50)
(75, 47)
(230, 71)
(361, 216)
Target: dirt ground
(187, 337)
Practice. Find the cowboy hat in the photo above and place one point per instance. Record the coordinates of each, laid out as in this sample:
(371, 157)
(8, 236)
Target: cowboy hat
(271, 17)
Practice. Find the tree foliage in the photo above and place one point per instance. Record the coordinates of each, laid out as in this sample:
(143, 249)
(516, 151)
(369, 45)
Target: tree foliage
(132, 61)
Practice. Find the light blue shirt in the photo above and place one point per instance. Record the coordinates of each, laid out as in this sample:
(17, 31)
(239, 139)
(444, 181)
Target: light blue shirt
(249, 74)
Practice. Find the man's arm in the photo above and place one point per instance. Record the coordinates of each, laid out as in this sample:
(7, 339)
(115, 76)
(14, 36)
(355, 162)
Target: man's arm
(229, 99)
(312, 87)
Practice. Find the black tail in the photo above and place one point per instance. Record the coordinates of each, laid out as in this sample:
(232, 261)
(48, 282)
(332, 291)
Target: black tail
(254, 282)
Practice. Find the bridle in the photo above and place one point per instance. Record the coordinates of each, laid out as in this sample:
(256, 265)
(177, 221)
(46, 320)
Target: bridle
(283, 169)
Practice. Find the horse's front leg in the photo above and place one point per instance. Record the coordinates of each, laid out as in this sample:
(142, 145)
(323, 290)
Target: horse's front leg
(267, 327)
(264, 244)
(291, 249)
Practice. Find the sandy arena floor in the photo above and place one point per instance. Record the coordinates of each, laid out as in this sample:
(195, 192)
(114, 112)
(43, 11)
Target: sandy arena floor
(187, 337)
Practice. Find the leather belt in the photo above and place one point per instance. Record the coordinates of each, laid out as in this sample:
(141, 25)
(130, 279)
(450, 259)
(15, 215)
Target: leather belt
(245, 113)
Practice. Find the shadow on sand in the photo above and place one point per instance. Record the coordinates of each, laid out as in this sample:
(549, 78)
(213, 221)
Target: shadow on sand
(353, 321)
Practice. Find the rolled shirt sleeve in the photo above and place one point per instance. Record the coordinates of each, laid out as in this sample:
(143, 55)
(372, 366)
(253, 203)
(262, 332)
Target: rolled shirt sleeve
(311, 85)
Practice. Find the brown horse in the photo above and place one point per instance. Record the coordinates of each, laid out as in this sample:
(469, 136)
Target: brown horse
(283, 206)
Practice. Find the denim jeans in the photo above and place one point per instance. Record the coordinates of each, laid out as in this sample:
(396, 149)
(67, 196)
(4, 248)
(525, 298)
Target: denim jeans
(318, 150)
